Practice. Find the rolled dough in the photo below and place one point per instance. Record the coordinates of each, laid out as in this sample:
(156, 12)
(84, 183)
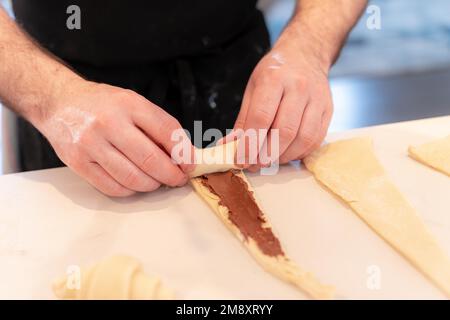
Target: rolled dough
(280, 266)
(117, 277)
(435, 154)
(215, 159)
(350, 169)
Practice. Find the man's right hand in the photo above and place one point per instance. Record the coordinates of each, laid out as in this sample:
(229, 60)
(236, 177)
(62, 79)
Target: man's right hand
(114, 138)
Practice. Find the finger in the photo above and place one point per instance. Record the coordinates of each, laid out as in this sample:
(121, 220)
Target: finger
(148, 157)
(163, 129)
(121, 169)
(235, 134)
(261, 113)
(287, 120)
(307, 135)
(325, 123)
(253, 168)
(263, 106)
(311, 133)
(101, 180)
(326, 119)
(240, 121)
(266, 156)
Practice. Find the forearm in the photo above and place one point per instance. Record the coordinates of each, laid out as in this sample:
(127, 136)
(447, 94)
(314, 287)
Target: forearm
(323, 25)
(30, 79)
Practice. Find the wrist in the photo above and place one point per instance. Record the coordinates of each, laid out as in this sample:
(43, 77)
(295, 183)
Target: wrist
(314, 39)
(54, 95)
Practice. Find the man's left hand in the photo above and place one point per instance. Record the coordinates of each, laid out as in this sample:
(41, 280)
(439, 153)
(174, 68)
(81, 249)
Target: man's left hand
(288, 90)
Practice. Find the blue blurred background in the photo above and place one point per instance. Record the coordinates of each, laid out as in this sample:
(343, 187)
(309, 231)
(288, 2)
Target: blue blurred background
(414, 36)
(399, 72)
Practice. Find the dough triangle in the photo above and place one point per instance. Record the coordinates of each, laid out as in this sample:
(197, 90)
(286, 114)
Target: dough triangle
(280, 266)
(435, 154)
(350, 169)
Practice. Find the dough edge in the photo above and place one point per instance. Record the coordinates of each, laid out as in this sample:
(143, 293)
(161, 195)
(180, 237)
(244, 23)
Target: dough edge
(281, 267)
(437, 274)
(125, 281)
(419, 154)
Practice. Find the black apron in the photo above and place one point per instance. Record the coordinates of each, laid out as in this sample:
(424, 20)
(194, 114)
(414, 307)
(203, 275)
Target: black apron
(192, 58)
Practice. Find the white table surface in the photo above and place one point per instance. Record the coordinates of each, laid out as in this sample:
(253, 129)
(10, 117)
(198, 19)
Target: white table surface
(51, 219)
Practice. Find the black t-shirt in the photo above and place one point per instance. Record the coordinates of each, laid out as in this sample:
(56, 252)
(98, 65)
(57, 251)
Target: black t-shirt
(135, 31)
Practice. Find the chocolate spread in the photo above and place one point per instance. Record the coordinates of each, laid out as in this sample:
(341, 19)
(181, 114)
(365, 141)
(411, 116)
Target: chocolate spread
(244, 213)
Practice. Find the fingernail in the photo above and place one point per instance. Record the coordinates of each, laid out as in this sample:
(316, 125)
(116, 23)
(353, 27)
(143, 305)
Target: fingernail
(186, 168)
(184, 181)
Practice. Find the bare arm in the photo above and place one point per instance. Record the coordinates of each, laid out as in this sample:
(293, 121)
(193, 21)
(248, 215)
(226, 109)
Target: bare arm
(114, 138)
(30, 79)
(289, 88)
(325, 24)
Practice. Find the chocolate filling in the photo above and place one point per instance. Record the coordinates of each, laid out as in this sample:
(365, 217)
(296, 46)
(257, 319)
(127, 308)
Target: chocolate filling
(244, 212)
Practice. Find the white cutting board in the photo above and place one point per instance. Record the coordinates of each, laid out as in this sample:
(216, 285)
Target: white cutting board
(51, 219)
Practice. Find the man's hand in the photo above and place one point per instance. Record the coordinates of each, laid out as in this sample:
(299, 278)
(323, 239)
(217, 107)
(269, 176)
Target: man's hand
(289, 89)
(114, 138)
(120, 142)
